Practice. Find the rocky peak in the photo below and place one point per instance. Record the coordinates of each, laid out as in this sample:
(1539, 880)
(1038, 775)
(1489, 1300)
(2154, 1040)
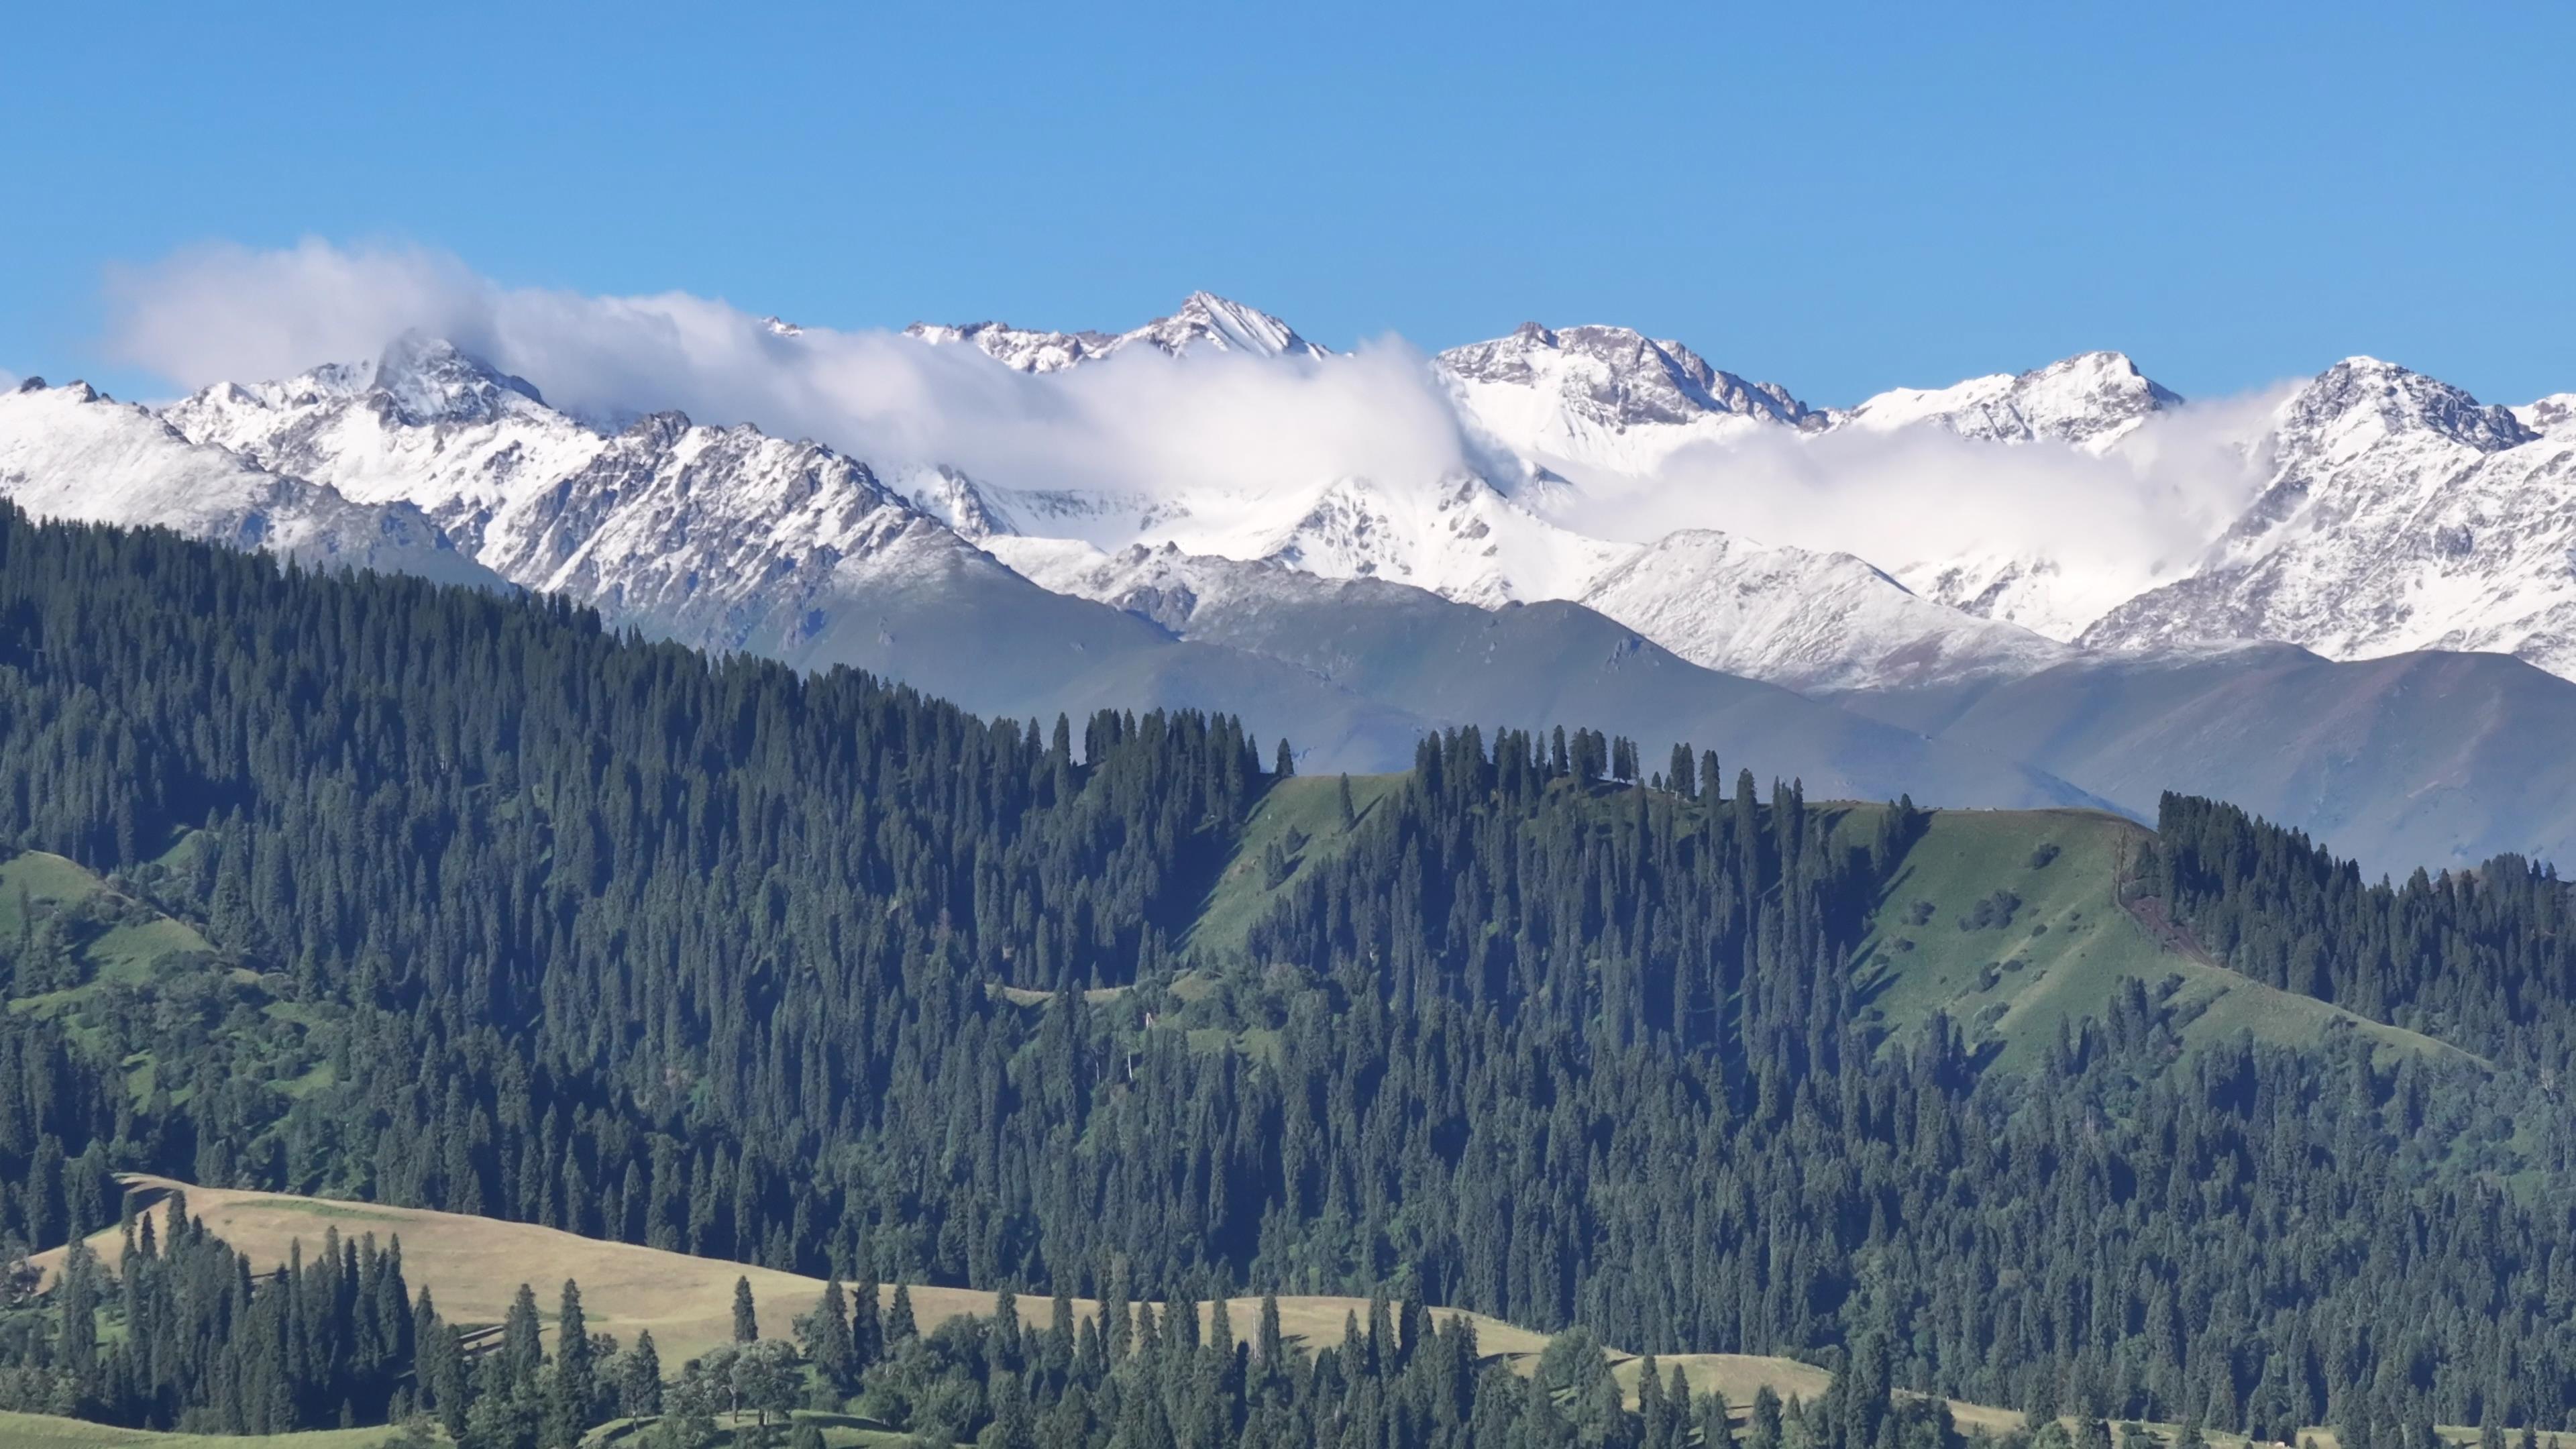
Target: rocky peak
(426, 380)
(1207, 320)
(1621, 377)
(2362, 400)
(2090, 400)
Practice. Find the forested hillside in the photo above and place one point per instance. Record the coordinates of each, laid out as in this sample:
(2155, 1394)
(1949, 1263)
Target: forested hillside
(498, 912)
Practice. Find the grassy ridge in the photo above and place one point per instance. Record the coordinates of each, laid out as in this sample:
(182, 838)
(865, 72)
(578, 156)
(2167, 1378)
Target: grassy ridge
(2012, 922)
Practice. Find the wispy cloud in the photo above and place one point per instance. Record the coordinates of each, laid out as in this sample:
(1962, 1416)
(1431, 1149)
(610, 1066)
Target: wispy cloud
(1145, 425)
(1140, 423)
(1924, 493)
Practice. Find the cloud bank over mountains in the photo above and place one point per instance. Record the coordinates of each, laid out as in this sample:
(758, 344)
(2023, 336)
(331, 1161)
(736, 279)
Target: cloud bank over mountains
(1140, 425)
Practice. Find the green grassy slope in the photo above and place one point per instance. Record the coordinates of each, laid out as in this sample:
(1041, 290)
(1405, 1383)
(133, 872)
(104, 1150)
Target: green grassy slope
(112, 937)
(127, 972)
(2053, 941)
(1306, 804)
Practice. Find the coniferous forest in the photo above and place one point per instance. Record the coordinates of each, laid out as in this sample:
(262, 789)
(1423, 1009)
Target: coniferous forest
(512, 915)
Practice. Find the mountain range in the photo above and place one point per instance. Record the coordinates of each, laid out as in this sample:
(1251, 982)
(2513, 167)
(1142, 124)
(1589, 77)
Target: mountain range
(2376, 644)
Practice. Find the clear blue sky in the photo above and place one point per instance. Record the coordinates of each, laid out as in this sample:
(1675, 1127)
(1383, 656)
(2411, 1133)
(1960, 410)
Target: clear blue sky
(1842, 199)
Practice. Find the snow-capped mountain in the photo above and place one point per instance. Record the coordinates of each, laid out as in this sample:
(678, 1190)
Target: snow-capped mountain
(70, 453)
(423, 423)
(1204, 321)
(1808, 620)
(1455, 534)
(1607, 398)
(726, 537)
(1590, 400)
(1607, 408)
(2400, 514)
(1018, 347)
(2091, 400)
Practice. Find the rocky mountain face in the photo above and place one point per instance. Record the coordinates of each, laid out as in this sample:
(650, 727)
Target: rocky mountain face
(1607, 397)
(2399, 514)
(2090, 401)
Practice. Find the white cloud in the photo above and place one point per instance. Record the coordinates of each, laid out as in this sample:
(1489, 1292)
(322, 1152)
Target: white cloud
(1144, 424)
(1923, 493)
(1140, 423)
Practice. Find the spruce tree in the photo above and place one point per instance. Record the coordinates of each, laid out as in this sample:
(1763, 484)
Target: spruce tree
(639, 1389)
(899, 1325)
(575, 1388)
(523, 1351)
(828, 1340)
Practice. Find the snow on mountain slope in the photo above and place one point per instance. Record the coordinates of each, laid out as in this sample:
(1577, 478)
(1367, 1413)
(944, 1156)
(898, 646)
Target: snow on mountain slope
(1202, 321)
(1207, 320)
(730, 539)
(1593, 401)
(2549, 414)
(2401, 514)
(2051, 596)
(1458, 536)
(1603, 415)
(1808, 620)
(423, 423)
(2090, 400)
(704, 533)
(1607, 398)
(69, 453)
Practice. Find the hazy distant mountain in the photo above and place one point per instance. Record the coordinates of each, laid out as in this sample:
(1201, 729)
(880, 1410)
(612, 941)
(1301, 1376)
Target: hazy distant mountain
(1531, 664)
(2428, 759)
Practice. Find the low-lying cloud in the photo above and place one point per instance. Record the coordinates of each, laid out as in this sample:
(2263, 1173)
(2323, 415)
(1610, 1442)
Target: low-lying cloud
(1897, 497)
(1144, 425)
(1140, 423)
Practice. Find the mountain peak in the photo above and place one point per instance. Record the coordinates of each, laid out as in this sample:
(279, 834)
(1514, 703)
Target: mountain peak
(2091, 400)
(430, 380)
(2363, 391)
(1619, 376)
(1205, 319)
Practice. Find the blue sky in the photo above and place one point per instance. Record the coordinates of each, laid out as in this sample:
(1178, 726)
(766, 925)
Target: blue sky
(1839, 198)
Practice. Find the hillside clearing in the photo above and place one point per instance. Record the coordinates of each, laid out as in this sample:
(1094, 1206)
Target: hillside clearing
(2011, 921)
